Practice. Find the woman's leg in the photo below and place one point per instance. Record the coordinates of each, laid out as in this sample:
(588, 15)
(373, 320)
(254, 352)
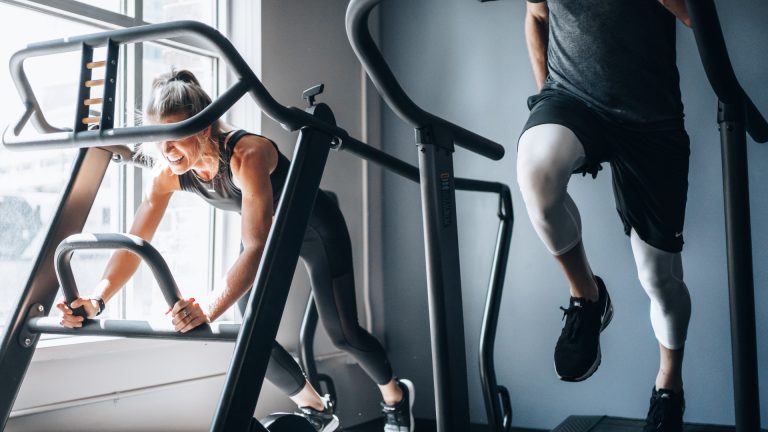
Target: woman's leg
(286, 374)
(327, 254)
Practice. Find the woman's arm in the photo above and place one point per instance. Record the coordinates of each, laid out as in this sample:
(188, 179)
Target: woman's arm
(252, 161)
(123, 264)
(537, 39)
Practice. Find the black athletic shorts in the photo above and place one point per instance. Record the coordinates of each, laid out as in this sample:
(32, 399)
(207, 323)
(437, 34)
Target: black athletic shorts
(649, 166)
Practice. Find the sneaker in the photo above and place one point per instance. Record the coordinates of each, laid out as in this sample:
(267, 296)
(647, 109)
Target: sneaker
(666, 412)
(577, 353)
(399, 417)
(323, 421)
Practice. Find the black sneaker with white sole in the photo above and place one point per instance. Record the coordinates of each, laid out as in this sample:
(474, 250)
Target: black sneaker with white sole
(666, 411)
(323, 421)
(399, 417)
(577, 353)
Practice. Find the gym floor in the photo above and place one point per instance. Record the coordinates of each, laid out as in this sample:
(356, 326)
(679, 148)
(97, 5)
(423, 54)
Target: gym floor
(423, 426)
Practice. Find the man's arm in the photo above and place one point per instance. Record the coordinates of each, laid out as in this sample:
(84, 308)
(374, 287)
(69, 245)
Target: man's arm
(678, 8)
(537, 39)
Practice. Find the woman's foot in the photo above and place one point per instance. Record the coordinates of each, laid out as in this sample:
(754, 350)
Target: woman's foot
(399, 416)
(323, 421)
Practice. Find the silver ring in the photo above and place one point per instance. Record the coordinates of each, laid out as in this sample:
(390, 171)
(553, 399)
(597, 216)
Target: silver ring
(186, 314)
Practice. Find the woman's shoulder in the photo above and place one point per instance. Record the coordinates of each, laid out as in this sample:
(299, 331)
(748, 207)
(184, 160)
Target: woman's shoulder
(253, 149)
(244, 140)
(164, 181)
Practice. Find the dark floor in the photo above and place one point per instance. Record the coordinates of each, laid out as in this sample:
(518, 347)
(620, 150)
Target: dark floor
(573, 424)
(616, 424)
(423, 426)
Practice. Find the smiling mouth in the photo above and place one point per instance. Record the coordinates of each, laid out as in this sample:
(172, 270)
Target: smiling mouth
(174, 160)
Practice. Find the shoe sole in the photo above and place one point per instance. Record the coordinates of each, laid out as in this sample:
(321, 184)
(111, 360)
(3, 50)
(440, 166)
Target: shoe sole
(607, 317)
(412, 397)
(332, 426)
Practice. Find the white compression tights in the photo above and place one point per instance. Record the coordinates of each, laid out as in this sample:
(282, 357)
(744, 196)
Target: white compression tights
(547, 156)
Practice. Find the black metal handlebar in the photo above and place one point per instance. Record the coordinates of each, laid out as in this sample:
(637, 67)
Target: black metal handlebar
(290, 118)
(718, 67)
(137, 245)
(372, 60)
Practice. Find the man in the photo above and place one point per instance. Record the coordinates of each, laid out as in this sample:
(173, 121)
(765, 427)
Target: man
(609, 92)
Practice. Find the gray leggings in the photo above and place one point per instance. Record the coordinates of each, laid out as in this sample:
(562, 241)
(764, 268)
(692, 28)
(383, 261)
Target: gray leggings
(327, 255)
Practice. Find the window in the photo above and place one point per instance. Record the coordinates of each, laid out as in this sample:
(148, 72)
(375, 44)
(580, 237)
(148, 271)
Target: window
(31, 182)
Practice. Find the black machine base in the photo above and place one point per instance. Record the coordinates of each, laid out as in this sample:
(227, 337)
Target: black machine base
(618, 424)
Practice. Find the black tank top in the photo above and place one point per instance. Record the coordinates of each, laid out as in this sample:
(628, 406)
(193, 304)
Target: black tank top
(221, 191)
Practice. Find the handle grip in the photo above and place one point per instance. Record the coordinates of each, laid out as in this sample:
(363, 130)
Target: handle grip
(137, 245)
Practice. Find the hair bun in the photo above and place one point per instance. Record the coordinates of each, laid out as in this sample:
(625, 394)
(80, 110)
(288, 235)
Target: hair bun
(185, 76)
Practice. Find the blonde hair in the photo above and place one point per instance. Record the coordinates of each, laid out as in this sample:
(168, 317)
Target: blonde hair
(177, 92)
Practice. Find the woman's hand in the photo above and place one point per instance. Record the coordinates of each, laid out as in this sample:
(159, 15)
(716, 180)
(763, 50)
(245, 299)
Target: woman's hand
(187, 314)
(69, 319)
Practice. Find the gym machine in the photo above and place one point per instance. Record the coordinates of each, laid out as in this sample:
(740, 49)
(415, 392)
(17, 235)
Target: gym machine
(317, 135)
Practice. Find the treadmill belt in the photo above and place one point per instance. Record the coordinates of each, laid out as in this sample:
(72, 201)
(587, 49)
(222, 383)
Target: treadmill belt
(617, 424)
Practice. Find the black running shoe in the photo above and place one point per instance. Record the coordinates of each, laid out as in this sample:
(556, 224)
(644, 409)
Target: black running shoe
(323, 421)
(666, 412)
(577, 353)
(399, 417)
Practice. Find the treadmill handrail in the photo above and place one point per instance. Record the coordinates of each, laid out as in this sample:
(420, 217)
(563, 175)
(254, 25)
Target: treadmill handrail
(382, 77)
(718, 66)
(290, 118)
(135, 244)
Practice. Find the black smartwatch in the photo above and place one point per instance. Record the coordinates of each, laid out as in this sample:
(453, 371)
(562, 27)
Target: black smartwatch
(101, 303)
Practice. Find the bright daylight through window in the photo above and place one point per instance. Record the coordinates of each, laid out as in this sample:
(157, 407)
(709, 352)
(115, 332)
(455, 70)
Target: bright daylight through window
(31, 182)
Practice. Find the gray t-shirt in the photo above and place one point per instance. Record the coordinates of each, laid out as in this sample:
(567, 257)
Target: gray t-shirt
(617, 56)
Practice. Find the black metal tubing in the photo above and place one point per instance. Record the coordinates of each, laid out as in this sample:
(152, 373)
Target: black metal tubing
(40, 289)
(444, 295)
(718, 67)
(435, 138)
(406, 170)
(53, 137)
(384, 80)
(216, 332)
(135, 244)
(497, 403)
(736, 116)
(272, 285)
(746, 392)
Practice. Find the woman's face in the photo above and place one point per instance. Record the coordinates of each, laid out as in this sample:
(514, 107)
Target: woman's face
(182, 154)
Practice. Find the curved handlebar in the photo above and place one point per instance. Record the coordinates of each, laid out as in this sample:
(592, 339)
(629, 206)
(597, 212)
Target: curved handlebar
(718, 67)
(137, 245)
(372, 60)
(291, 118)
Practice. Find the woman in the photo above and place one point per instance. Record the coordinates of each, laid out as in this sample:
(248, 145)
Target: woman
(238, 171)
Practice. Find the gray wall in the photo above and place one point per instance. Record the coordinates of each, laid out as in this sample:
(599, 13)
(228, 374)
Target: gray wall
(303, 44)
(467, 61)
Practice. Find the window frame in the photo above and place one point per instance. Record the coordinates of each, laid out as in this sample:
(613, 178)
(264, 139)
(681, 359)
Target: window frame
(130, 183)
